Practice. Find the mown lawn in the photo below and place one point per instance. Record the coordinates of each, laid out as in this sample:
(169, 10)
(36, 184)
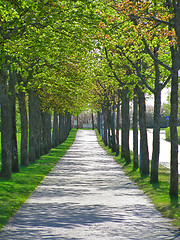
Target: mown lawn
(15, 191)
(158, 193)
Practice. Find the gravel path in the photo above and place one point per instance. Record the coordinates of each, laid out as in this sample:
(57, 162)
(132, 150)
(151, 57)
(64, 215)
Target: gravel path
(87, 196)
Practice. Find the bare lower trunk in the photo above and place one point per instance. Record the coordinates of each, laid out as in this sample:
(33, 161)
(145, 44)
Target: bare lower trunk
(109, 127)
(32, 156)
(156, 139)
(98, 121)
(175, 55)
(92, 117)
(24, 129)
(135, 133)
(117, 127)
(113, 147)
(144, 154)
(156, 130)
(61, 127)
(6, 158)
(173, 131)
(55, 130)
(105, 125)
(45, 148)
(48, 130)
(125, 151)
(12, 101)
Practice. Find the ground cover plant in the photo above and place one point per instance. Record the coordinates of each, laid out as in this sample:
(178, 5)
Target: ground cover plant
(157, 192)
(15, 191)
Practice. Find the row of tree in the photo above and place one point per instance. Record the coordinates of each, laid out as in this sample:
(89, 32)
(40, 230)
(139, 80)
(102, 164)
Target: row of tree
(42, 48)
(70, 55)
(139, 52)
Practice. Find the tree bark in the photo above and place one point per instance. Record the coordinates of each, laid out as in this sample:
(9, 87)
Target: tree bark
(12, 101)
(37, 126)
(69, 123)
(175, 55)
(77, 121)
(98, 121)
(156, 129)
(105, 125)
(174, 140)
(61, 127)
(55, 130)
(144, 154)
(135, 133)
(32, 156)
(6, 156)
(24, 129)
(113, 147)
(48, 130)
(117, 126)
(125, 151)
(42, 133)
(92, 117)
(109, 126)
(45, 148)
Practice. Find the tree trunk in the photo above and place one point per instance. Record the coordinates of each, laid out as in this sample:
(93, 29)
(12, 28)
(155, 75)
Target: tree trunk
(61, 128)
(113, 148)
(144, 154)
(34, 126)
(92, 116)
(98, 121)
(55, 130)
(6, 158)
(135, 133)
(65, 126)
(173, 129)
(42, 133)
(156, 130)
(105, 125)
(117, 126)
(37, 126)
(48, 130)
(125, 151)
(32, 156)
(24, 128)
(109, 126)
(12, 101)
(101, 124)
(45, 148)
(175, 55)
(77, 121)
(69, 123)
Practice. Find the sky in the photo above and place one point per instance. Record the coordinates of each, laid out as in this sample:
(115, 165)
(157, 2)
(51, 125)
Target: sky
(164, 94)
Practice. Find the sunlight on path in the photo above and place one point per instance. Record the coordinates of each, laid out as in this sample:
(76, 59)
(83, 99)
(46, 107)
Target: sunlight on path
(88, 197)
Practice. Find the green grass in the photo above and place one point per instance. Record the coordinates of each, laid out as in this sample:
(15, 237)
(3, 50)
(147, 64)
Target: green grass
(15, 191)
(167, 134)
(158, 193)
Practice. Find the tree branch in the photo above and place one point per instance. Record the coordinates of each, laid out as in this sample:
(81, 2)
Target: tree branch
(139, 74)
(155, 58)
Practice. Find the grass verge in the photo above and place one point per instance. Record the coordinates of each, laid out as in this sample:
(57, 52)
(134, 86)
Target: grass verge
(15, 191)
(158, 193)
